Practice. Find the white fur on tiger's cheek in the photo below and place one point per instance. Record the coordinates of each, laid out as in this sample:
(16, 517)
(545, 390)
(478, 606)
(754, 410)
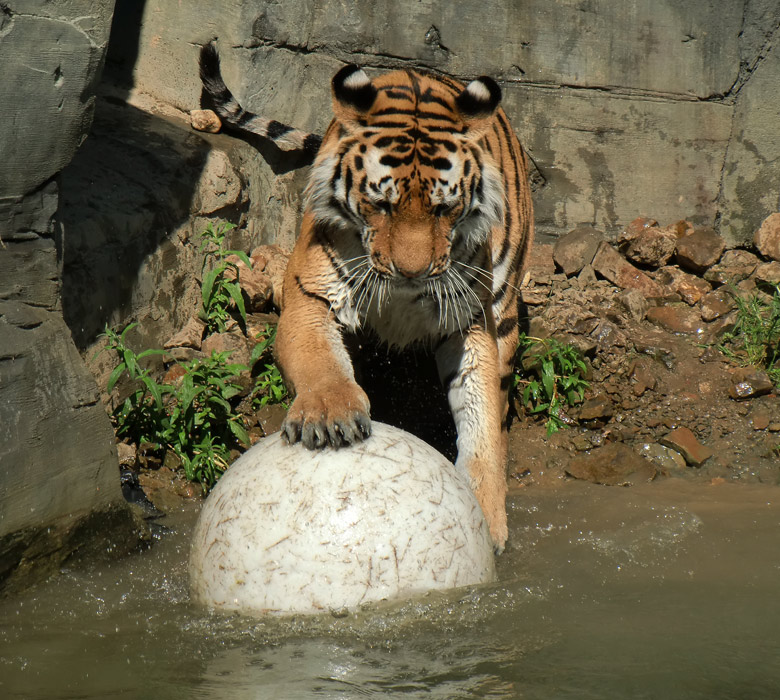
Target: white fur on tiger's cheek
(377, 172)
(320, 192)
(478, 90)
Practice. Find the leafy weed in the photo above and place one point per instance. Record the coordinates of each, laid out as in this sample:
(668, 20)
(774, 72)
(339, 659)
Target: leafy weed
(558, 378)
(755, 339)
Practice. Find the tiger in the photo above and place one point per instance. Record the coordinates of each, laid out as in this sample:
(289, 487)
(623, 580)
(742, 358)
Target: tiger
(417, 224)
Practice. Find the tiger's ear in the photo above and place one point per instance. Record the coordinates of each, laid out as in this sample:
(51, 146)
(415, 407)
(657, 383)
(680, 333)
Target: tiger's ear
(478, 102)
(353, 93)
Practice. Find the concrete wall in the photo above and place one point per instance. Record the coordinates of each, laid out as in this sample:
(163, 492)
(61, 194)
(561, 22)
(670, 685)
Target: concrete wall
(627, 107)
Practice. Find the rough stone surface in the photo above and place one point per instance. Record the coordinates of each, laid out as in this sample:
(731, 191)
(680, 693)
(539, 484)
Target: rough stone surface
(43, 88)
(596, 408)
(634, 302)
(58, 462)
(610, 264)
(663, 457)
(749, 382)
(716, 303)
(700, 250)
(690, 287)
(676, 319)
(751, 178)
(613, 465)
(576, 249)
(734, 266)
(684, 441)
(134, 242)
(767, 238)
(653, 246)
(768, 273)
(289, 530)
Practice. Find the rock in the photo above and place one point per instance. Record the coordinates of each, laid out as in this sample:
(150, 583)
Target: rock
(720, 326)
(767, 275)
(749, 382)
(191, 336)
(716, 303)
(642, 378)
(614, 464)
(700, 250)
(767, 238)
(634, 302)
(610, 264)
(664, 457)
(270, 417)
(633, 230)
(653, 246)
(760, 420)
(291, 530)
(576, 249)
(126, 454)
(598, 408)
(684, 441)
(540, 261)
(690, 287)
(676, 319)
(231, 341)
(586, 277)
(734, 266)
(258, 289)
(205, 120)
(175, 372)
(272, 261)
(220, 186)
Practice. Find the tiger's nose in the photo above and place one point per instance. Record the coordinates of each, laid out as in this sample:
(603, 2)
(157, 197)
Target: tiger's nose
(414, 272)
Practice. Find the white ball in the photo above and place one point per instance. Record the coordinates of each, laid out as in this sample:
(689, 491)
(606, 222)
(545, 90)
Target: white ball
(291, 530)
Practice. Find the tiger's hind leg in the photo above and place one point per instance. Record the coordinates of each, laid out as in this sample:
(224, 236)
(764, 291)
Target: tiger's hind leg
(469, 368)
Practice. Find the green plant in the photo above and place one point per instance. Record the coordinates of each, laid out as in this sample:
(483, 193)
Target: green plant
(220, 289)
(143, 410)
(559, 379)
(203, 425)
(193, 418)
(269, 385)
(755, 339)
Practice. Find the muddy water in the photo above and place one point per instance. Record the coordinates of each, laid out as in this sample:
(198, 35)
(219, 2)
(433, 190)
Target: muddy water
(668, 590)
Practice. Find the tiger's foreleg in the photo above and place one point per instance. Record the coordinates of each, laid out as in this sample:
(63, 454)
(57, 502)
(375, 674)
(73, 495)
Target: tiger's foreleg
(329, 407)
(469, 368)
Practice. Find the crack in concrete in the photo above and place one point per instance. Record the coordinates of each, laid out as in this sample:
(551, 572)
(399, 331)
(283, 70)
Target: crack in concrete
(59, 20)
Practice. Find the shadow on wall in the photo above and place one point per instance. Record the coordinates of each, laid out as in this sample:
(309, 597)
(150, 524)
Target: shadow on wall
(130, 204)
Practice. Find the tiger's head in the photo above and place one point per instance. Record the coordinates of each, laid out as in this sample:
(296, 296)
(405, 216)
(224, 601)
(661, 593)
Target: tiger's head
(403, 166)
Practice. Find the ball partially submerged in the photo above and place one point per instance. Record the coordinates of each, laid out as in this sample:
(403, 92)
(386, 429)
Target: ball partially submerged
(291, 530)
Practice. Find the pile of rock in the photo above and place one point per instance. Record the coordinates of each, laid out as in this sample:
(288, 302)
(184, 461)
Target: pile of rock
(647, 311)
(679, 277)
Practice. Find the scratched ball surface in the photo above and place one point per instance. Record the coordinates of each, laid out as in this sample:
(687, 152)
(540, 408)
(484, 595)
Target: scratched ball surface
(290, 530)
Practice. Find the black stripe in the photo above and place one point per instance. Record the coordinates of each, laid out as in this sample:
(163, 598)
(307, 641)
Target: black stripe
(393, 162)
(397, 93)
(388, 125)
(392, 110)
(307, 293)
(506, 382)
(506, 327)
(276, 129)
(428, 97)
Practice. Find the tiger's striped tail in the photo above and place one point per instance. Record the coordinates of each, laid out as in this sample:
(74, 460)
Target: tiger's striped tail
(235, 118)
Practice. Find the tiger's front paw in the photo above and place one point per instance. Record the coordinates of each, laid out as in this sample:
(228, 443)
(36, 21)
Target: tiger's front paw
(335, 416)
